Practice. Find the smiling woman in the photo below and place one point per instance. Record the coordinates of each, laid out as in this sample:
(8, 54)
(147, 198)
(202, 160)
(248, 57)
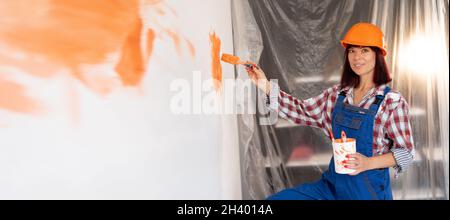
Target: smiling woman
(302, 50)
(365, 109)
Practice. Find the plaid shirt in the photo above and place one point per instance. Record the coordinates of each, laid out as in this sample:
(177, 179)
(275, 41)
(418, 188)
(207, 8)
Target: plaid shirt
(392, 129)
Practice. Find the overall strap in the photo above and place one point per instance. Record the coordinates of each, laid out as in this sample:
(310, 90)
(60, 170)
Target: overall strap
(378, 99)
(340, 100)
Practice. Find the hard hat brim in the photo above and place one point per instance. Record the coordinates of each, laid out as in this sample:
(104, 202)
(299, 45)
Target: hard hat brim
(345, 43)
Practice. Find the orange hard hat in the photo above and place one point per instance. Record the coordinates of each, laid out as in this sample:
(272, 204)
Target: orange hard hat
(365, 34)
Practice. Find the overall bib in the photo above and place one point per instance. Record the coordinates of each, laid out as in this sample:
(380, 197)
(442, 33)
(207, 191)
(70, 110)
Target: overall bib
(368, 185)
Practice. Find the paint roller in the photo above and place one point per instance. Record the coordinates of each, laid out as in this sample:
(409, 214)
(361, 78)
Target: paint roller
(235, 60)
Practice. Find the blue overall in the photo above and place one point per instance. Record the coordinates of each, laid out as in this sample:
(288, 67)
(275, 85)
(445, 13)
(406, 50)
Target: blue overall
(368, 185)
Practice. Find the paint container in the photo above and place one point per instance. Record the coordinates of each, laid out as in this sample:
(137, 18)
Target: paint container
(340, 150)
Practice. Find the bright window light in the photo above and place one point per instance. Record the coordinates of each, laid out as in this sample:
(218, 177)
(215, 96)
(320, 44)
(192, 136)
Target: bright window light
(423, 54)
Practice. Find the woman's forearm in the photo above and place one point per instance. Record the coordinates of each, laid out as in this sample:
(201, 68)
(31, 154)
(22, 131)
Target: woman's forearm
(382, 161)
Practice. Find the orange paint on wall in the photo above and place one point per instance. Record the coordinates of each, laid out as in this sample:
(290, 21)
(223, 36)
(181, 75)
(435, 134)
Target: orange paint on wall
(32, 65)
(131, 64)
(67, 32)
(191, 48)
(100, 84)
(161, 6)
(153, 2)
(216, 67)
(179, 41)
(59, 36)
(150, 41)
(176, 40)
(13, 97)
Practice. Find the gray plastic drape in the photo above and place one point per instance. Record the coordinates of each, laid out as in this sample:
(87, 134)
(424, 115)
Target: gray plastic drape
(297, 42)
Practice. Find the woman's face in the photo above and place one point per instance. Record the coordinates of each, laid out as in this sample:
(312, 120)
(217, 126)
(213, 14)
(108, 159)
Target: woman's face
(362, 60)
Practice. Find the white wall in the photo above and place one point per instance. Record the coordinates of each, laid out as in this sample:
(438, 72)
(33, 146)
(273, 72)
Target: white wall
(128, 144)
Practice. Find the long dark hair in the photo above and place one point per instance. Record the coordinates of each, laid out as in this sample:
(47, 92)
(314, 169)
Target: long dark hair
(381, 72)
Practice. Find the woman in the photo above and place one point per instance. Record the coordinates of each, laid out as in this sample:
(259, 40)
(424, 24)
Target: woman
(365, 108)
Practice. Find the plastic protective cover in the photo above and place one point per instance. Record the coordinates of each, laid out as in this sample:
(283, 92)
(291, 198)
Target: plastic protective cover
(297, 43)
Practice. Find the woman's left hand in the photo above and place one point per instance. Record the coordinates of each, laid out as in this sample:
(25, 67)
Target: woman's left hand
(357, 162)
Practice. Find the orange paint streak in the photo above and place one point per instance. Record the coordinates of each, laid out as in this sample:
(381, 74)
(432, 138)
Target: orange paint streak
(131, 64)
(150, 41)
(13, 97)
(178, 40)
(160, 7)
(172, 11)
(157, 9)
(31, 66)
(175, 39)
(101, 84)
(191, 48)
(216, 67)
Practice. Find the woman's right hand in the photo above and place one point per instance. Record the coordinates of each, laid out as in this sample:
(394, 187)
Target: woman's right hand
(258, 77)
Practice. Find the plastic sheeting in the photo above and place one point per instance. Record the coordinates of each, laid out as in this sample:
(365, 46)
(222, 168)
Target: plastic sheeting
(297, 42)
